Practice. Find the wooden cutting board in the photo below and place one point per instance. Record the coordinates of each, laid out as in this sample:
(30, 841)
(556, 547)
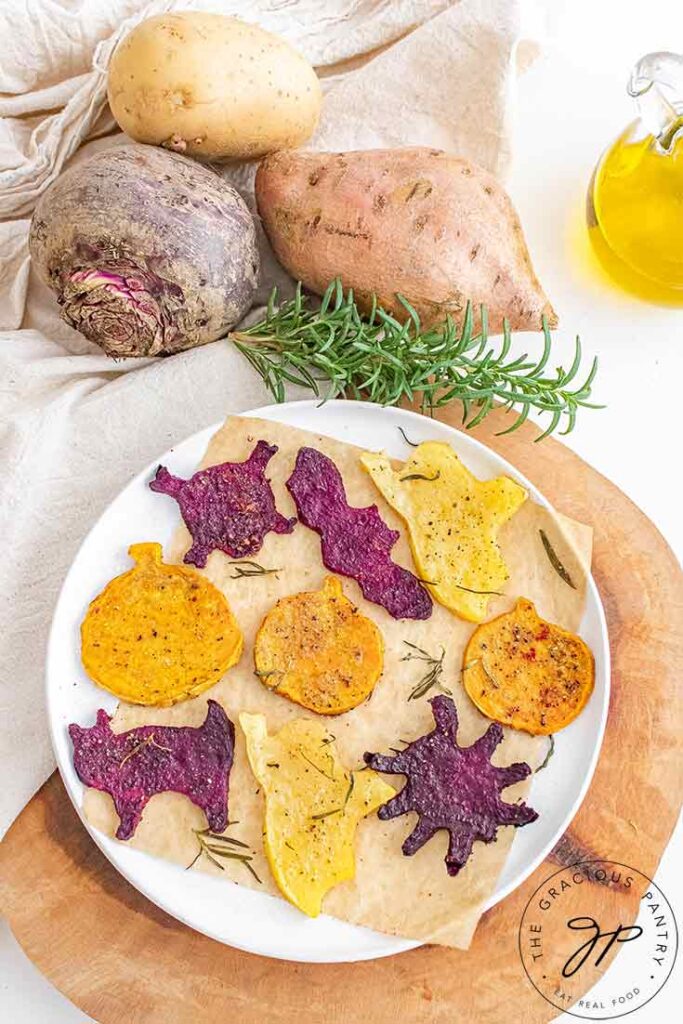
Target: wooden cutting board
(123, 961)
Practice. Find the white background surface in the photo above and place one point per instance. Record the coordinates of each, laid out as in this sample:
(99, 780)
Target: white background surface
(571, 104)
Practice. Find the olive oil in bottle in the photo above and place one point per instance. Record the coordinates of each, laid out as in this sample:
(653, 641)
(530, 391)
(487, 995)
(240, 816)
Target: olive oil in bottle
(635, 199)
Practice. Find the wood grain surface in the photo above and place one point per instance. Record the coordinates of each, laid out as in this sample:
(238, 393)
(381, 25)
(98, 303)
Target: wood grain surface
(123, 961)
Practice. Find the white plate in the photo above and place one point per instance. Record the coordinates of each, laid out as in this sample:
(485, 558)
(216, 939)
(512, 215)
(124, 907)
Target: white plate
(232, 914)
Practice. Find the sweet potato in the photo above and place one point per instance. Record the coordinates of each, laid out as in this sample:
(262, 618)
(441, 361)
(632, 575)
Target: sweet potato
(527, 673)
(416, 222)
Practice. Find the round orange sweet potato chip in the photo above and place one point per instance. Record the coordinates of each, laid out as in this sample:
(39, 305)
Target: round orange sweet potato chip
(527, 673)
(159, 633)
(317, 649)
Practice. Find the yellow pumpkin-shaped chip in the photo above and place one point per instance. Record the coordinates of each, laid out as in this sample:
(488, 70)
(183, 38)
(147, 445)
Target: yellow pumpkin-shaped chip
(527, 673)
(159, 633)
(453, 521)
(313, 806)
(318, 650)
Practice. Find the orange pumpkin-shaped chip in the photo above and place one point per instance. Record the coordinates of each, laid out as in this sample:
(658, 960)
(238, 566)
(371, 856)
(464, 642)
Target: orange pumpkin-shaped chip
(159, 633)
(317, 649)
(527, 673)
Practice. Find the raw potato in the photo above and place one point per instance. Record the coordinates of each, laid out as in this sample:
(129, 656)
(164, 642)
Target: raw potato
(147, 252)
(418, 222)
(212, 87)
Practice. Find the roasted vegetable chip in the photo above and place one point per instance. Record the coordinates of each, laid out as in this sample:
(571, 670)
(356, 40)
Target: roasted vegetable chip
(356, 542)
(453, 519)
(317, 649)
(313, 807)
(136, 765)
(452, 788)
(227, 508)
(528, 673)
(159, 633)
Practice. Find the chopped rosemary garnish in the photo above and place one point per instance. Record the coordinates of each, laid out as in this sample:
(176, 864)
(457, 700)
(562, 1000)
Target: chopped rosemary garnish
(386, 360)
(421, 476)
(337, 810)
(316, 766)
(488, 675)
(555, 561)
(212, 846)
(247, 568)
(551, 751)
(413, 444)
(148, 741)
(469, 590)
(265, 676)
(480, 661)
(432, 677)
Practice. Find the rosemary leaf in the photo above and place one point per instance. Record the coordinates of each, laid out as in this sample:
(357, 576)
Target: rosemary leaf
(413, 444)
(551, 751)
(469, 590)
(421, 476)
(316, 766)
(555, 561)
(388, 360)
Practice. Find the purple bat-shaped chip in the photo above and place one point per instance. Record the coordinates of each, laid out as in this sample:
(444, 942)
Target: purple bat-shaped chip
(133, 766)
(453, 788)
(356, 542)
(227, 508)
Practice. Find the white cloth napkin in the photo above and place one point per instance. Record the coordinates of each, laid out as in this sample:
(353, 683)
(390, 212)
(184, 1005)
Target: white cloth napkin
(74, 426)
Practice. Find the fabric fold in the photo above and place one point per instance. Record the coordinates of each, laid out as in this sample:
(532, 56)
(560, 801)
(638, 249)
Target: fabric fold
(74, 426)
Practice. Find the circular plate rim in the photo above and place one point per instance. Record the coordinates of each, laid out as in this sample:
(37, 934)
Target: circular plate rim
(388, 945)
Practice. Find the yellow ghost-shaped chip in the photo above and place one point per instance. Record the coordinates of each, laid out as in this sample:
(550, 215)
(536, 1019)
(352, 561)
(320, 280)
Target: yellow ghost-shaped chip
(453, 521)
(313, 806)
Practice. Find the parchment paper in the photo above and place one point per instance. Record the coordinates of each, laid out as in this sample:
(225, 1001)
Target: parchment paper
(412, 897)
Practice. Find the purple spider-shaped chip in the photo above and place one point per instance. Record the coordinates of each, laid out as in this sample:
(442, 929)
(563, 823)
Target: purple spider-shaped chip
(453, 788)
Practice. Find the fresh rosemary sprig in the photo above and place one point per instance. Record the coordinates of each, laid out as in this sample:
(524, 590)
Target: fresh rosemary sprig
(212, 846)
(245, 568)
(382, 359)
(433, 675)
(342, 808)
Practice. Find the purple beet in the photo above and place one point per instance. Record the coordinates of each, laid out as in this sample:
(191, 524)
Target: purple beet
(230, 507)
(453, 788)
(146, 251)
(133, 766)
(356, 542)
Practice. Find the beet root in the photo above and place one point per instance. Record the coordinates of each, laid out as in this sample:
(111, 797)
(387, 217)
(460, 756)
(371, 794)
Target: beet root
(147, 252)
